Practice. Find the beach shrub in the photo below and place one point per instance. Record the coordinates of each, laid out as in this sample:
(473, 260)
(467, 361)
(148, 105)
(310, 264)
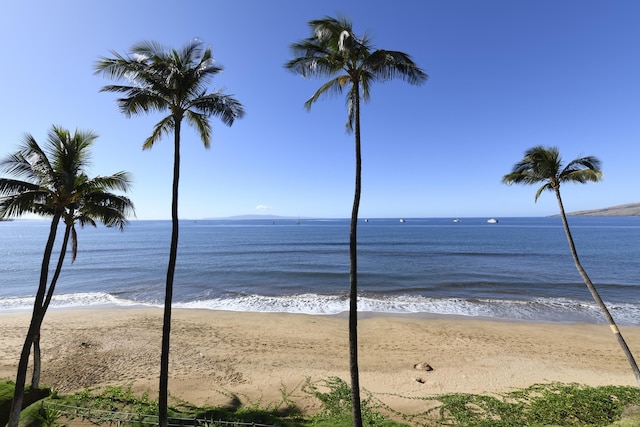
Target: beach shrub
(581, 405)
(336, 406)
(540, 405)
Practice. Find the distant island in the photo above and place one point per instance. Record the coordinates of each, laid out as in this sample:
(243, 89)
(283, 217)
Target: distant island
(274, 217)
(630, 209)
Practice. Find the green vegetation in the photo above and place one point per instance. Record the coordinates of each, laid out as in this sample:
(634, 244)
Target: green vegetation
(31, 395)
(539, 405)
(336, 406)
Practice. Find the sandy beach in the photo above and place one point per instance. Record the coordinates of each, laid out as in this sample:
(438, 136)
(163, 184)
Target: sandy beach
(255, 357)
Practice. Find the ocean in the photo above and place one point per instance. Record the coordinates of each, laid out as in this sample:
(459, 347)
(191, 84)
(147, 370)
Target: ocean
(517, 269)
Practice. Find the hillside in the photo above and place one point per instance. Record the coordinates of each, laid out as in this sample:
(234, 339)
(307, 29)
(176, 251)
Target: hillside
(629, 209)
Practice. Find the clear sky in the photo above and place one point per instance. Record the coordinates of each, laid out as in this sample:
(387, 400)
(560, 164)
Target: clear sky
(504, 76)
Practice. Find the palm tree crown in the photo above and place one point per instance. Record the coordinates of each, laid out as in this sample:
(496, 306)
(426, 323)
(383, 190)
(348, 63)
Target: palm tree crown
(53, 181)
(170, 80)
(334, 51)
(544, 164)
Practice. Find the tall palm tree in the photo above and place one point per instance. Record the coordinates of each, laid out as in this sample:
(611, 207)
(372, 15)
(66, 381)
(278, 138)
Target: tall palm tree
(172, 81)
(544, 165)
(52, 182)
(334, 51)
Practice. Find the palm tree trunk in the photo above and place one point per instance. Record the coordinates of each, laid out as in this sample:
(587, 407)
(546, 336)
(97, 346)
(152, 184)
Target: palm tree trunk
(163, 404)
(21, 376)
(595, 294)
(37, 362)
(56, 273)
(353, 274)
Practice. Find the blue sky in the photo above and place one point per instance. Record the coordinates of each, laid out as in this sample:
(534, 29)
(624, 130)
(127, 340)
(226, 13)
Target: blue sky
(504, 76)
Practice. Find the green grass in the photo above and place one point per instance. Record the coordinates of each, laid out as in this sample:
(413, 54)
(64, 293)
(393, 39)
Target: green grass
(539, 405)
(6, 397)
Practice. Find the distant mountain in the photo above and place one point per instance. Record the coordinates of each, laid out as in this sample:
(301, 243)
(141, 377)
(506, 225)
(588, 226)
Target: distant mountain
(630, 209)
(253, 217)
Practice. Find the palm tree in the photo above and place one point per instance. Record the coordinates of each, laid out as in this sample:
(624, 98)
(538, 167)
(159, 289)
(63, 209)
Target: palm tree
(52, 182)
(172, 81)
(544, 165)
(334, 51)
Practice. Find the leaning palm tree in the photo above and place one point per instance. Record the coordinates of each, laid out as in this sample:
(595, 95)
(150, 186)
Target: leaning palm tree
(544, 165)
(172, 81)
(334, 51)
(52, 182)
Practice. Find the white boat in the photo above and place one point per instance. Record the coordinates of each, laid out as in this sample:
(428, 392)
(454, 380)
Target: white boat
(402, 220)
(456, 220)
(492, 221)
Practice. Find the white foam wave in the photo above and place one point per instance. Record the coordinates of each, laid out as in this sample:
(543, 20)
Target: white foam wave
(542, 309)
(88, 299)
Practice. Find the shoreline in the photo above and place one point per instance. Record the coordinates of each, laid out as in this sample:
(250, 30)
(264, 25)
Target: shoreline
(362, 314)
(220, 356)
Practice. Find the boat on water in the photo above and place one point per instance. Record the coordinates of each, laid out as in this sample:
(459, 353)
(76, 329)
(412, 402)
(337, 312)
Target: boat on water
(456, 220)
(402, 220)
(492, 221)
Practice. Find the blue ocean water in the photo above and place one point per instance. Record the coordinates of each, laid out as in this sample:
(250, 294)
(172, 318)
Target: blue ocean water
(518, 269)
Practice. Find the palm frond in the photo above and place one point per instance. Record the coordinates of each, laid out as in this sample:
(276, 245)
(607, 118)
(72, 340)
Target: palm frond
(110, 209)
(14, 186)
(37, 158)
(351, 108)
(118, 181)
(142, 100)
(317, 64)
(332, 87)
(74, 242)
(24, 202)
(583, 176)
(16, 165)
(200, 122)
(389, 64)
(163, 127)
(70, 152)
(582, 170)
(546, 187)
(225, 107)
(366, 79)
(115, 68)
(328, 31)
